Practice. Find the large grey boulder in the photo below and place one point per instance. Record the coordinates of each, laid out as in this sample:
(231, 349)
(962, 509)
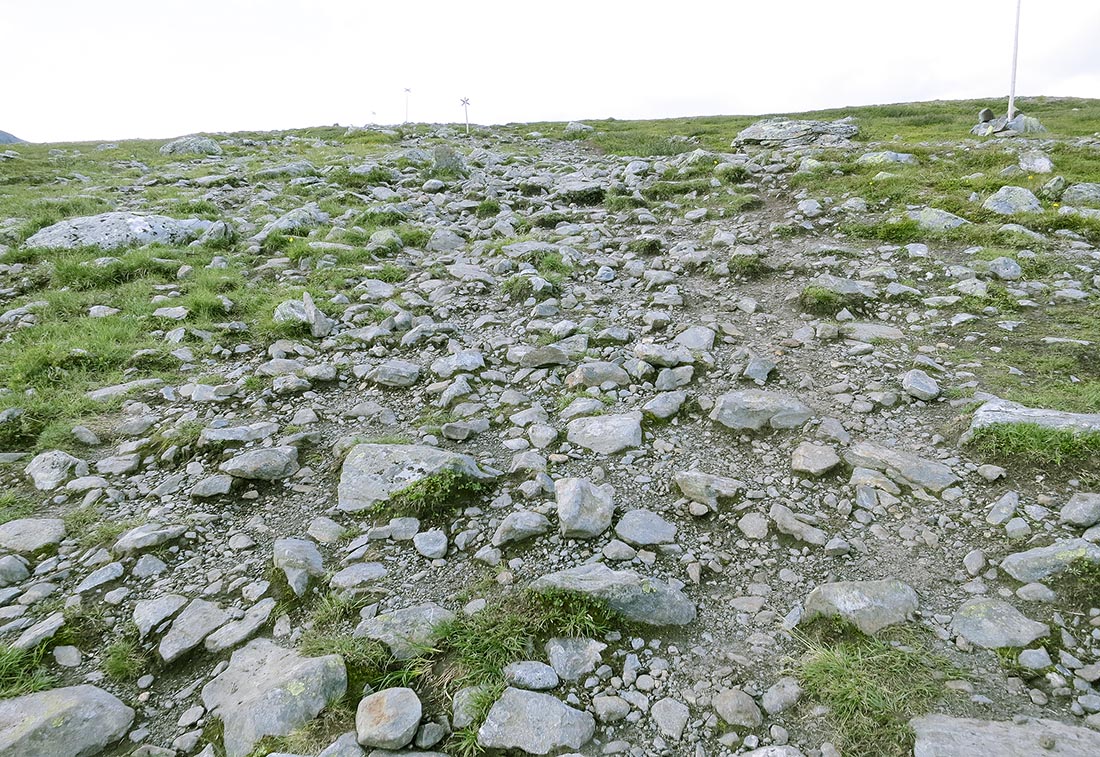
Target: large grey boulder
(1087, 195)
(638, 598)
(1041, 563)
(115, 230)
(388, 719)
(998, 411)
(784, 132)
(304, 311)
(268, 464)
(844, 287)
(76, 721)
(48, 470)
(904, 467)
(191, 146)
(753, 409)
(535, 723)
(29, 535)
(407, 631)
(1008, 201)
(607, 434)
(270, 691)
(373, 472)
(584, 509)
(868, 605)
(295, 221)
(934, 219)
(945, 736)
(994, 623)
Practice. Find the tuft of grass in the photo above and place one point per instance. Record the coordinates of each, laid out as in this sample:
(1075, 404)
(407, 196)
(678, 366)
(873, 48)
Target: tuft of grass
(1079, 585)
(872, 687)
(413, 236)
(434, 497)
(1030, 443)
(390, 272)
(645, 245)
(483, 644)
(124, 660)
(334, 608)
(895, 232)
(517, 288)
(821, 301)
(487, 208)
(23, 672)
(14, 506)
(748, 266)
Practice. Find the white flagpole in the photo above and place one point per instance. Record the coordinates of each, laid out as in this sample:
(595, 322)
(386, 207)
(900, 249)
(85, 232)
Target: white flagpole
(466, 110)
(1015, 50)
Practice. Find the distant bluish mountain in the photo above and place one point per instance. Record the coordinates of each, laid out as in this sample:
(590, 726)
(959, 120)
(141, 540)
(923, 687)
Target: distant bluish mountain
(8, 139)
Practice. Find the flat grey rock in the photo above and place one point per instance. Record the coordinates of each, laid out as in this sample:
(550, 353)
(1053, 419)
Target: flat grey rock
(671, 717)
(75, 721)
(946, 736)
(998, 411)
(1040, 563)
(49, 470)
(868, 605)
(193, 145)
(934, 219)
(707, 488)
(1083, 509)
(270, 691)
(645, 527)
(269, 464)
(535, 723)
(638, 598)
(371, 473)
(116, 230)
(1009, 201)
(29, 535)
(407, 631)
(194, 623)
(814, 459)
(994, 623)
(606, 434)
(753, 409)
(904, 467)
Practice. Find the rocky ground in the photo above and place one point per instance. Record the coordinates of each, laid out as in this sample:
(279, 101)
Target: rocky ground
(343, 442)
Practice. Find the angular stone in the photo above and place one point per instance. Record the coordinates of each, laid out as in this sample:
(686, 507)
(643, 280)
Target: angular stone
(998, 411)
(903, 466)
(706, 488)
(572, 657)
(531, 675)
(521, 525)
(814, 459)
(407, 631)
(371, 473)
(737, 708)
(671, 717)
(919, 384)
(388, 719)
(263, 464)
(194, 623)
(150, 613)
(638, 598)
(607, 434)
(868, 605)
(789, 523)
(237, 631)
(75, 721)
(28, 535)
(50, 469)
(1008, 201)
(1083, 509)
(644, 527)
(946, 736)
(147, 536)
(994, 623)
(584, 509)
(299, 559)
(270, 691)
(1041, 563)
(535, 723)
(753, 409)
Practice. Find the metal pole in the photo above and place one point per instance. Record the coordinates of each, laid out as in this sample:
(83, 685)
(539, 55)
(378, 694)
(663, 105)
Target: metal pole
(407, 91)
(1015, 50)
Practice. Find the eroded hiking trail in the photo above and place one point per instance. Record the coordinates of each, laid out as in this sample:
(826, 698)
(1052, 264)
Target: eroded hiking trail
(330, 443)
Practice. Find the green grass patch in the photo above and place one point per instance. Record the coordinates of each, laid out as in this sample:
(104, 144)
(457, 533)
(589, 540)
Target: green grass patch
(822, 301)
(872, 687)
(14, 506)
(435, 497)
(1034, 445)
(23, 671)
(487, 208)
(124, 661)
(1078, 586)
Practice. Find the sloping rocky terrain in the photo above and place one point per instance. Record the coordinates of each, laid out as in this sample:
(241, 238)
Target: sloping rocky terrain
(616, 438)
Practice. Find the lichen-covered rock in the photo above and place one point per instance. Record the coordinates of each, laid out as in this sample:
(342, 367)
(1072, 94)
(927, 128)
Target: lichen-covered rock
(112, 231)
(76, 721)
(638, 598)
(534, 723)
(868, 605)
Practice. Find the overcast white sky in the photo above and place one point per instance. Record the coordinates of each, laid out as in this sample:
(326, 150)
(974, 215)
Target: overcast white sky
(114, 69)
